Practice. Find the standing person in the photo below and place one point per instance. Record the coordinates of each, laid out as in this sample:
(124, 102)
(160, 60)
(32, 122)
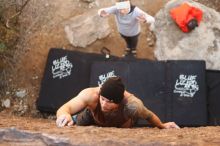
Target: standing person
(128, 18)
(108, 106)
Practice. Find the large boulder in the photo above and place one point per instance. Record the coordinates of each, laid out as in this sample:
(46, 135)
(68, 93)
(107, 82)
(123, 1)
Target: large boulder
(203, 43)
(85, 29)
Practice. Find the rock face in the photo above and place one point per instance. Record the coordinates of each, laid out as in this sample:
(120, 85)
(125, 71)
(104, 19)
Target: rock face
(203, 43)
(12, 136)
(84, 29)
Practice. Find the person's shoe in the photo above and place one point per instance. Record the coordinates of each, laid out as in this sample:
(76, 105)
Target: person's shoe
(127, 51)
(134, 53)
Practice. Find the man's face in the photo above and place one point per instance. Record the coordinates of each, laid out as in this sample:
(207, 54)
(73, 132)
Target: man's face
(124, 11)
(107, 105)
(123, 7)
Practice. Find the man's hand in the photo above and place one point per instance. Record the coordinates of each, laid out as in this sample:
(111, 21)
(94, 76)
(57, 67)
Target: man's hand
(152, 27)
(141, 18)
(102, 13)
(64, 120)
(170, 125)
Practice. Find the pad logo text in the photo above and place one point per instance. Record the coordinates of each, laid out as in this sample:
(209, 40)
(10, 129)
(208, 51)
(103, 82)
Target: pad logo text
(61, 68)
(186, 85)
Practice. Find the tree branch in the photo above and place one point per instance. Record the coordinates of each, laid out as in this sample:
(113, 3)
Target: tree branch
(16, 14)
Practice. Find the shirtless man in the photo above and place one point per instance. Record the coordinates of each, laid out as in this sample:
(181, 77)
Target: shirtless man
(108, 106)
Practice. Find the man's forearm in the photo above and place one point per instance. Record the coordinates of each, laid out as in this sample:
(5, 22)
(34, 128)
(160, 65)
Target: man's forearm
(155, 121)
(62, 111)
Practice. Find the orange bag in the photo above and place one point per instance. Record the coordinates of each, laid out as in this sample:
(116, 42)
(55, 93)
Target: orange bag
(184, 13)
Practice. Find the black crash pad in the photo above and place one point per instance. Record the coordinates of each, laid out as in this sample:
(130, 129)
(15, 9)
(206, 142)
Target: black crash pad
(66, 74)
(174, 90)
(213, 96)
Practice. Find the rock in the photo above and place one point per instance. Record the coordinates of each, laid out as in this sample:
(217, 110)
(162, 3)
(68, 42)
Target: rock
(21, 93)
(150, 44)
(150, 39)
(85, 29)
(35, 77)
(92, 3)
(6, 103)
(88, 1)
(12, 136)
(20, 108)
(203, 43)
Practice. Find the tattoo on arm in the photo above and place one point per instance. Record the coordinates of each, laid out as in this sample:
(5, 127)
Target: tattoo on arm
(136, 108)
(131, 110)
(149, 116)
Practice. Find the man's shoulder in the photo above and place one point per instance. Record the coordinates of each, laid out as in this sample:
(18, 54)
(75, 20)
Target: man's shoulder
(137, 9)
(91, 96)
(131, 106)
(91, 89)
(91, 93)
(131, 99)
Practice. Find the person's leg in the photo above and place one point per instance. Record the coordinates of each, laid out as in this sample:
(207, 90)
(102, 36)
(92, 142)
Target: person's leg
(131, 43)
(84, 118)
(127, 49)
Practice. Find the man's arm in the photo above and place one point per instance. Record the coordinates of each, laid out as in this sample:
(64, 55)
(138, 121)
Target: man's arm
(155, 121)
(136, 108)
(104, 12)
(65, 112)
(144, 17)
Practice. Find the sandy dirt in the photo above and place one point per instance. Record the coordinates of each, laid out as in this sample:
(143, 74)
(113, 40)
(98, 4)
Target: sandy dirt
(91, 135)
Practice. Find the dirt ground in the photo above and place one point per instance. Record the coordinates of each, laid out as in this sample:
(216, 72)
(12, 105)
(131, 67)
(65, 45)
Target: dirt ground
(28, 76)
(91, 135)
